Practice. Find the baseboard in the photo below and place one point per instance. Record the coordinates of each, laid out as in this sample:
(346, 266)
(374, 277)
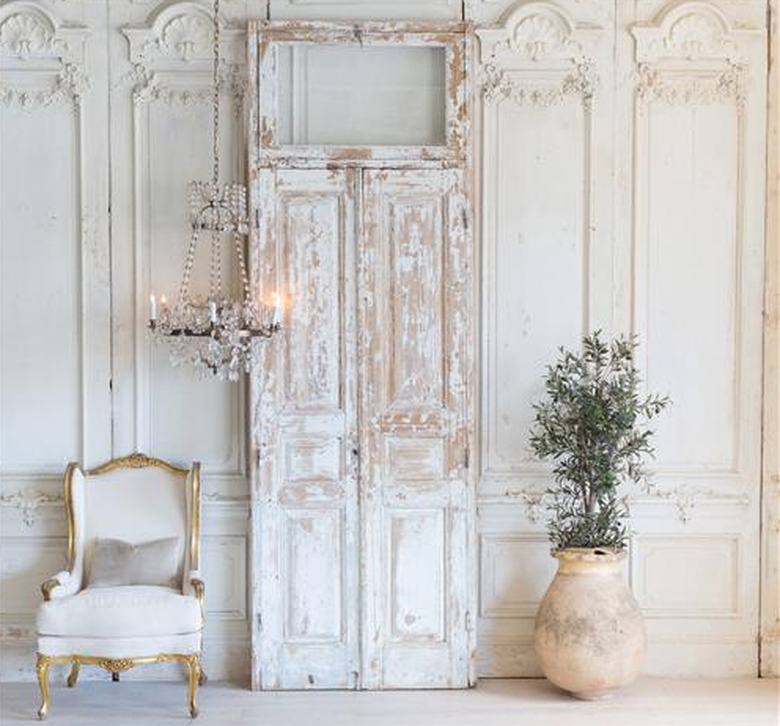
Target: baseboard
(668, 659)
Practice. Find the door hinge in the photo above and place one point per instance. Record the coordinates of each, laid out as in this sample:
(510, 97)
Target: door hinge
(467, 457)
(469, 624)
(259, 622)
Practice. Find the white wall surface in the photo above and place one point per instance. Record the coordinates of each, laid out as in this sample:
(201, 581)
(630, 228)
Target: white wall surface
(622, 176)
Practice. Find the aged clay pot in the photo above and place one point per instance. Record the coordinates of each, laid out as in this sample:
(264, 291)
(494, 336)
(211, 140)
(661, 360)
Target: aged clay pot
(589, 635)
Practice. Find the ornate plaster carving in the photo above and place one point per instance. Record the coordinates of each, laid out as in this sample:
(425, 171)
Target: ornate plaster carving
(150, 86)
(581, 81)
(28, 502)
(69, 86)
(29, 33)
(691, 31)
(182, 33)
(685, 499)
(41, 59)
(534, 499)
(539, 36)
(538, 32)
(728, 86)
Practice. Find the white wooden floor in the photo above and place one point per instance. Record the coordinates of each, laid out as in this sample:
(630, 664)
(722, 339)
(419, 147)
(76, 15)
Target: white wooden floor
(649, 702)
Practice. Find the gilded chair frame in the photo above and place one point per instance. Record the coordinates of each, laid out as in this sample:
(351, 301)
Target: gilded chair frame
(196, 675)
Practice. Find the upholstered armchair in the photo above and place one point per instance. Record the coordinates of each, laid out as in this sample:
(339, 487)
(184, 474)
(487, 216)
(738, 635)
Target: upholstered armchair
(135, 499)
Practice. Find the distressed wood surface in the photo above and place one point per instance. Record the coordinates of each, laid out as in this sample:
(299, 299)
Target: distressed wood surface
(268, 38)
(415, 328)
(305, 519)
(362, 417)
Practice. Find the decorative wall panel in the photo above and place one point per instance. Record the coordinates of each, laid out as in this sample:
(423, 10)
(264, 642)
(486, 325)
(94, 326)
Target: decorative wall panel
(652, 158)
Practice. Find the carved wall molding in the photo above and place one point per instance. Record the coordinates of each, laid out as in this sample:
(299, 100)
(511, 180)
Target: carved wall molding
(685, 499)
(182, 33)
(41, 58)
(29, 32)
(729, 86)
(68, 86)
(580, 82)
(27, 502)
(536, 33)
(692, 31)
(149, 86)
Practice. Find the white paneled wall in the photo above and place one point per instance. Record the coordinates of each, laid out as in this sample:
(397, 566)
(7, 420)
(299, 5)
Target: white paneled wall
(621, 149)
(623, 188)
(112, 96)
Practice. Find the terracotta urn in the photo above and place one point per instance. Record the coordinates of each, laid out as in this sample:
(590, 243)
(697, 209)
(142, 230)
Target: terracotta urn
(589, 635)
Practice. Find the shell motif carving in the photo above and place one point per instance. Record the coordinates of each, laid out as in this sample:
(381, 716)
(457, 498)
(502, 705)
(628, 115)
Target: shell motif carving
(116, 665)
(696, 35)
(187, 36)
(537, 36)
(25, 34)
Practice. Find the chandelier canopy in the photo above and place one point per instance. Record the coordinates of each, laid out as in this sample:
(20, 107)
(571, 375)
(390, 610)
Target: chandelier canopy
(218, 334)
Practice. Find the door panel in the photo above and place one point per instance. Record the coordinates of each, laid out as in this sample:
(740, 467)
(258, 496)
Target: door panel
(415, 418)
(305, 513)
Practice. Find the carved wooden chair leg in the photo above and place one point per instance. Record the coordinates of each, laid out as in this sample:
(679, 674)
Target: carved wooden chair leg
(74, 674)
(115, 677)
(202, 677)
(42, 668)
(193, 663)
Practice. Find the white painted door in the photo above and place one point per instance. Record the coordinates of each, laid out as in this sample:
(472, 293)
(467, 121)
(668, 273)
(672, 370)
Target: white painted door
(415, 429)
(305, 488)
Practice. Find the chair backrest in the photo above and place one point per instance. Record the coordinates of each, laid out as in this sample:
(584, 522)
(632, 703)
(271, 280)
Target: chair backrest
(136, 499)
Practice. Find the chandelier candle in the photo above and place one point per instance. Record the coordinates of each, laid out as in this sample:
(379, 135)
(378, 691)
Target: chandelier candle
(218, 334)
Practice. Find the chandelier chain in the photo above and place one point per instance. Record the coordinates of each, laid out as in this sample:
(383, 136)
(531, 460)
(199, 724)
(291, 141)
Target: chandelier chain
(215, 140)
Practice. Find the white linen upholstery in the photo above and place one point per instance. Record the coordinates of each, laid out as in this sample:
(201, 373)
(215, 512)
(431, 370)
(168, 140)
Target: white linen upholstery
(120, 647)
(135, 505)
(115, 612)
(69, 584)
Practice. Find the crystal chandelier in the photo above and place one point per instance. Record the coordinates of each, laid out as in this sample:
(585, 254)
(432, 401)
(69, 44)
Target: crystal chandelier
(217, 335)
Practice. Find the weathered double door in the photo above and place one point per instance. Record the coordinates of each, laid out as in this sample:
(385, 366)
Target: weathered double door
(362, 508)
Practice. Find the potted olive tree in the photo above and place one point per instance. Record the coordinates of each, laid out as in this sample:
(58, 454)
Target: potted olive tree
(589, 635)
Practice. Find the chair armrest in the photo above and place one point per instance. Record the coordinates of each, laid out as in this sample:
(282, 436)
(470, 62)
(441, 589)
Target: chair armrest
(195, 586)
(60, 585)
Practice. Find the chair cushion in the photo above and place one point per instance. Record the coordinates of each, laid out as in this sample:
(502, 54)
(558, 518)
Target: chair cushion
(129, 611)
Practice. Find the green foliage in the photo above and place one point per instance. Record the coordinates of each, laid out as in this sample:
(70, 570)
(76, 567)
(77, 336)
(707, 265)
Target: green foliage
(592, 425)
